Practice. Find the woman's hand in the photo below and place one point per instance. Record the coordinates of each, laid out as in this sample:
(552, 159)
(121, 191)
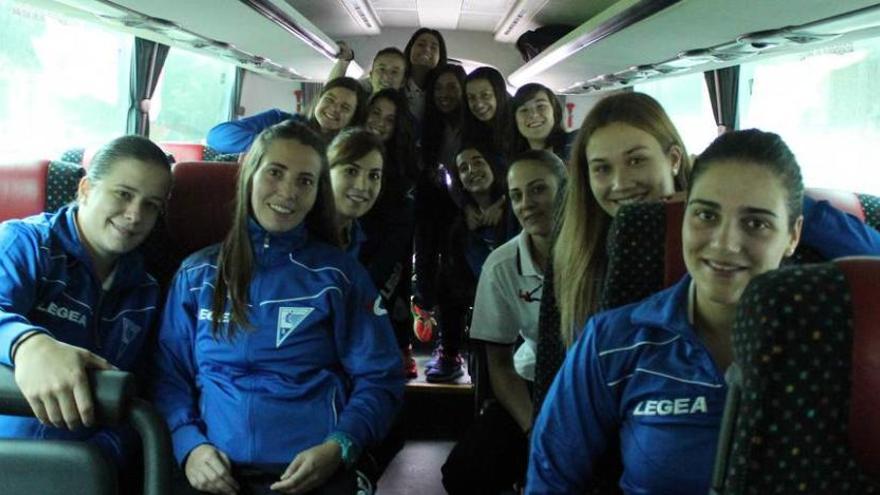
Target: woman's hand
(209, 470)
(310, 469)
(492, 215)
(52, 377)
(346, 54)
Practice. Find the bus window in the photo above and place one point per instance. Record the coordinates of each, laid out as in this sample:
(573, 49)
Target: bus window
(64, 82)
(823, 103)
(686, 100)
(193, 94)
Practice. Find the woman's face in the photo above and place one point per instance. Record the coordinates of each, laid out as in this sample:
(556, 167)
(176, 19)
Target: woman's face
(425, 51)
(628, 165)
(285, 185)
(736, 227)
(535, 119)
(117, 212)
(357, 185)
(447, 93)
(474, 171)
(481, 99)
(380, 118)
(388, 72)
(336, 108)
(532, 188)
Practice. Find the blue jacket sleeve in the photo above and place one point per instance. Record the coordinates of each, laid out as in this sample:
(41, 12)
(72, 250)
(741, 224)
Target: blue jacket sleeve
(236, 136)
(175, 392)
(19, 274)
(834, 233)
(369, 355)
(578, 417)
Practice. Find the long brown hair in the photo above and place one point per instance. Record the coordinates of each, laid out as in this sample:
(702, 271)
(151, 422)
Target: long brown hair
(235, 264)
(579, 257)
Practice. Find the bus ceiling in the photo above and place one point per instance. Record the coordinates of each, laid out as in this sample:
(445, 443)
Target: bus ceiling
(616, 43)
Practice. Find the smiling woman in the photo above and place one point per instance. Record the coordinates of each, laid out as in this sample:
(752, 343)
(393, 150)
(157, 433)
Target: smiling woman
(74, 273)
(277, 294)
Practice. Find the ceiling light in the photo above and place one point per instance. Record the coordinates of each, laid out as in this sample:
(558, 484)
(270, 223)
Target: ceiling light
(362, 13)
(517, 18)
(439, 14)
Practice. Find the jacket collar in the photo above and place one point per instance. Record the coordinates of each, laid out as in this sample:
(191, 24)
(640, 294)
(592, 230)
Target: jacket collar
(525, 263)
(667, 309)
(267, 246)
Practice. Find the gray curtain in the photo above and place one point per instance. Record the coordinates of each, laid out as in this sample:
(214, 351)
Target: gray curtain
(310, 93)
(147, 61)
(723, 85)
(235, 96)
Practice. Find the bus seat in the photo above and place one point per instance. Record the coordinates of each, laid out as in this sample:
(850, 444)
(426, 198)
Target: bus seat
(200, 208)
(198, 214)
(184, 152)
(33, 187)
(644, 252)
(212, 155)
(862, 275)
(789, 426)
(59, 467)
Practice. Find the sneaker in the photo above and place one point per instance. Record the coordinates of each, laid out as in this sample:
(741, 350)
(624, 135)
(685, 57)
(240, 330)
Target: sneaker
(409, 363)
(423, 323)
(364, 485)
(446, 369)
(435, 356)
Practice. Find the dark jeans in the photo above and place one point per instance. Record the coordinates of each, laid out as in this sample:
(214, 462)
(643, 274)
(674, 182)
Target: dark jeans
(490, 458)
(257, 482)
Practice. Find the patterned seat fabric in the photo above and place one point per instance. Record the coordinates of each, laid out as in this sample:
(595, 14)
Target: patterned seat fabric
(636, 255)
(871, 206)
(212, 155)
(792, 340)
(62, 180)
(73, 155)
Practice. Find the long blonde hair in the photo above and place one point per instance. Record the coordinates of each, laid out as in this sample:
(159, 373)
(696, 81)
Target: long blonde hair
(579, 257)
(236, 261)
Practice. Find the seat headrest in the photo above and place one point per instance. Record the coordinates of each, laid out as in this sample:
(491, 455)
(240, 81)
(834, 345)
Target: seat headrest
(184, 152)
(863, 277)
(23, 189)
(201, 203)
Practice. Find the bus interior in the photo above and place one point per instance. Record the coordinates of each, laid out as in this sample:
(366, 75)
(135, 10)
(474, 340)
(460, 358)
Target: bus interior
(77, 73)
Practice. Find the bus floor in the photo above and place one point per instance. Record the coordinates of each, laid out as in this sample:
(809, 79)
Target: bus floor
(434, 417)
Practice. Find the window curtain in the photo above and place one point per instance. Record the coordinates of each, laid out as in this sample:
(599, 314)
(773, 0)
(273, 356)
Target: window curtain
(147, 62)
(310, 94)
(723, 85)
(235, 96)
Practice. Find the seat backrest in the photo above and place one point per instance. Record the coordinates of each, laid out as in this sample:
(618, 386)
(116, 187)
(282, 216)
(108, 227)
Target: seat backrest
(64, 467)
(30, 188)
(200, 207)
(793, 344)
(184, 152)
(644, 252)
(863, 278)
(198, 214)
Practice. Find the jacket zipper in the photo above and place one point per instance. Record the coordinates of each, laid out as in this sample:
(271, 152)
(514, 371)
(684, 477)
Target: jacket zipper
(96, 320)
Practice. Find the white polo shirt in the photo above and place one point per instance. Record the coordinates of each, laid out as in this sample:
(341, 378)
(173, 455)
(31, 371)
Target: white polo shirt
(508, 301)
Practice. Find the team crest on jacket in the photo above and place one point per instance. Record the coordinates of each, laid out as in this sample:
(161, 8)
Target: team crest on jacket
(288, 320)
(130, 331)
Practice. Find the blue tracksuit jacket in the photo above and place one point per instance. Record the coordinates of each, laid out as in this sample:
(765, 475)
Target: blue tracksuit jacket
(320, 358)
(236, 136)
(47, 284)
(834, 233)
(639, 374)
